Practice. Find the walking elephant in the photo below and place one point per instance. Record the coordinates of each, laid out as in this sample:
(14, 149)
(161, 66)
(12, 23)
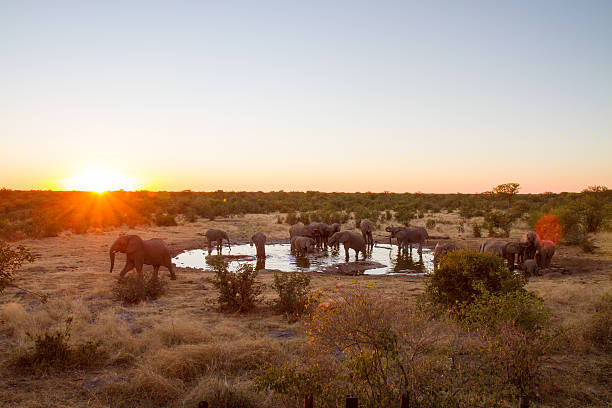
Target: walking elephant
(544, 256)
(366, 231)
(259, 239)
(443, 249)
(350, 240)
(302, 245)
(138, 253)
(216, 235)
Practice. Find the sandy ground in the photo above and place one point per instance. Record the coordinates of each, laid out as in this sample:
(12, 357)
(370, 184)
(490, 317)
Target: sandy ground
(73, 270)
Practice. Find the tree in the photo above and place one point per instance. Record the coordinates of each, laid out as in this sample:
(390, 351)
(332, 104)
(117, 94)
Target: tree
(507, 191)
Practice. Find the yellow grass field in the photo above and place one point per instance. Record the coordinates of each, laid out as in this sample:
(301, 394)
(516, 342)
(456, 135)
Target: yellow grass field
(179, 349)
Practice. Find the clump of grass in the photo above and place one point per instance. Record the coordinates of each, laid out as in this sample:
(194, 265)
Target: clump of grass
(598, 329)
(52, 350)
(133, 290)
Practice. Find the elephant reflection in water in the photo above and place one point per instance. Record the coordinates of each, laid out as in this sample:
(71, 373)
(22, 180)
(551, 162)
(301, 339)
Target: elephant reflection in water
(302, 262)
(403, 261)
(261, 264)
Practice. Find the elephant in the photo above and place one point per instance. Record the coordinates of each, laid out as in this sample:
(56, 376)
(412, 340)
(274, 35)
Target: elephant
(216, 235)
(302, 245)
(442, 250)
(298, 230)
(331, 230)
(393, 231)
(321, 231)
(408, 236)
(530, 267)
(138, 253)
(366, 230)
(350, 240)
(544, 256)
(507, 250)
(259, 239)
(531, 244)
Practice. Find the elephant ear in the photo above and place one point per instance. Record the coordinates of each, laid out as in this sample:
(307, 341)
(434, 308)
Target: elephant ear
(134, 244)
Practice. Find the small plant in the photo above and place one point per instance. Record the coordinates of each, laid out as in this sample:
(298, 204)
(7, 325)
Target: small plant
(461, 228)
(430, 223)
(476, 230)
(11, 259)
(279, 219)
(293, 292)
(238, 291)
(133, 290)
(291, 218)
(52, 349)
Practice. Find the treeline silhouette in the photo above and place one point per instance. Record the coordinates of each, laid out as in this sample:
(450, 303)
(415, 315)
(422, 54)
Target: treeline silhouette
(37, 214)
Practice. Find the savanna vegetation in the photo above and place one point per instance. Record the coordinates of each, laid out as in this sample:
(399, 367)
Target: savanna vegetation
(471, 334)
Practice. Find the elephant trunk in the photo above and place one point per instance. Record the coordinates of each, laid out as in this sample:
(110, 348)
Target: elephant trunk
(114, 248)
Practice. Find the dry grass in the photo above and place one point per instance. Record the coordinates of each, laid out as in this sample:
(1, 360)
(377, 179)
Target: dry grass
(180, 349)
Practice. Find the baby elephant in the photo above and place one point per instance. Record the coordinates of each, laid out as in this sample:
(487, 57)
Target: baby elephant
(138, 253)
(302, 245)
(259, 239)
(530, 267)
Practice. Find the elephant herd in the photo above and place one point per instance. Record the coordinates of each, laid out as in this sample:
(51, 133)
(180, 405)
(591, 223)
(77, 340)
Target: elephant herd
(530, 253)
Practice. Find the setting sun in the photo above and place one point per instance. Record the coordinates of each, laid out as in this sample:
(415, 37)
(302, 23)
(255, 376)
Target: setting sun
(100, 181)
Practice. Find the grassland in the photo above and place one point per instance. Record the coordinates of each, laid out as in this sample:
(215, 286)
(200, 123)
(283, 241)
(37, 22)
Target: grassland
(180, 349)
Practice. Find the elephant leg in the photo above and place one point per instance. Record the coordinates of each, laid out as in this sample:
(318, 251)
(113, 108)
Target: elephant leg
(155, 272)
(170, 267)
(346, 254)
(138, 264)
(128, 267)
(420, 248)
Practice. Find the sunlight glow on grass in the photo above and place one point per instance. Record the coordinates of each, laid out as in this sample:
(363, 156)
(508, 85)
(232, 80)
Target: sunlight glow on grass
(100, 181)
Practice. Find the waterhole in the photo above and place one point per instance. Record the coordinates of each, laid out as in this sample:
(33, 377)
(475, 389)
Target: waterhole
(279, 256)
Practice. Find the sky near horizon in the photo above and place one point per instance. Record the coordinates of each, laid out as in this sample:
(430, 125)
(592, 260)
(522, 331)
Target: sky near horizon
(405, 96)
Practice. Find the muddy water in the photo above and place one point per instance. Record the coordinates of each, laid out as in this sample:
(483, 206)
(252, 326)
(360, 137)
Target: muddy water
(280, 257)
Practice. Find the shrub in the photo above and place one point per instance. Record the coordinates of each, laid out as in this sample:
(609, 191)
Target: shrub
(404, 214)
(279, 219)
(430, 223)
(11, 259)
(521, 308)
(463, 275)
(238, 291)
(291, 218)
(598, 329)
(165, 220)
(476, 231)
(133, 290)
(498, 220)
(52, 349)
(293, 292)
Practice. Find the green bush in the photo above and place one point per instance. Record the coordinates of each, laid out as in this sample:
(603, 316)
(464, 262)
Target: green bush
(293, 292)
(521, 308)
(133, 290)
(238, 291)
(495, 220)
(52, 349)
(291, 218)
(464, 275)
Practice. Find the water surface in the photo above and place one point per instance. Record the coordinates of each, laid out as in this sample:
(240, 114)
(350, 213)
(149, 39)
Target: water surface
(280, 257)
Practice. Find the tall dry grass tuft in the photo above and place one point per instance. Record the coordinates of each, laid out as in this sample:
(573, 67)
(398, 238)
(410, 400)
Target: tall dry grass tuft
(181, 330)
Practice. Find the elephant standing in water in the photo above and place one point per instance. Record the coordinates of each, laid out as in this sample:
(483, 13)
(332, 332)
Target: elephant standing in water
(530, 267)
(259, 239)
(350, 240)
(331, 230)
(366, 230)
(544, 256)
(138, 253)
(302, 245)
(321, 231)
(216, 235)
(508, 250)
(408, 236)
